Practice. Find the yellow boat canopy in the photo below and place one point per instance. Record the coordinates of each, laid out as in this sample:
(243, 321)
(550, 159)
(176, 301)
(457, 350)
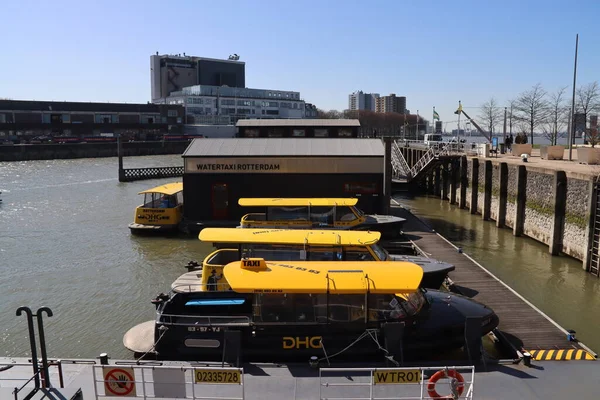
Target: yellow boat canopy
(168, 189)
(352, 277)
(296, 202)
(289, 236)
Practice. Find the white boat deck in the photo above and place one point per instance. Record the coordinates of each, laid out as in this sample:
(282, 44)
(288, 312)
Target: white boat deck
(544, 380)
(188, 282)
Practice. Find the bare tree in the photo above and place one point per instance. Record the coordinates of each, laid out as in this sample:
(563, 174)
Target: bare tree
(331, 114)
(531, 108)
(588, 101)
(557, 116)
(490, 114)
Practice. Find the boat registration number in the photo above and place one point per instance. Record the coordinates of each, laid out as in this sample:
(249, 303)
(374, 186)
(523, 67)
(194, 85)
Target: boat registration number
(385, 376)
(217, 376)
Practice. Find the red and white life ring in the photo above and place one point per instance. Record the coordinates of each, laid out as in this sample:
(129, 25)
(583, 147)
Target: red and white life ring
(460, 387)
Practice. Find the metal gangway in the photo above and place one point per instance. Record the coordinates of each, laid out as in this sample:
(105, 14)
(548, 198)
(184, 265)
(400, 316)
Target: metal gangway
(400, 166)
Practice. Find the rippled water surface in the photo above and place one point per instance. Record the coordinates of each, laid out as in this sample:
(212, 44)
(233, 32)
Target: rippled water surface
(64, 243)
(556, 285)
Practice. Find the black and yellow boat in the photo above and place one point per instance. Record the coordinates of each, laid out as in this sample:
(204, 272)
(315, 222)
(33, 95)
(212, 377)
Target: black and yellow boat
(277, 311)
(311, 245)
(161, 211)
(316, 213)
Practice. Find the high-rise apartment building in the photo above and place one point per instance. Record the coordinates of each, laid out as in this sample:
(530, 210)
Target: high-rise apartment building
(391, 103)
(362, 101)
(172, 72)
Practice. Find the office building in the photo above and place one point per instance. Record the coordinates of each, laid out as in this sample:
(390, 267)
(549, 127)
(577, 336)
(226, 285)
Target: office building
(306, 128)
(172, 72)
(205, 104)
(362, 101)
(391, 103)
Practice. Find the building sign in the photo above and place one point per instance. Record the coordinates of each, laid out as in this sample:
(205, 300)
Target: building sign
(279, 165)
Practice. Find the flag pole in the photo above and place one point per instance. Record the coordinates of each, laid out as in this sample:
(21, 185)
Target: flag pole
(458, 131)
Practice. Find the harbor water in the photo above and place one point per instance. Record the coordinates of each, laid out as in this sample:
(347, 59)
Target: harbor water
(64, 244)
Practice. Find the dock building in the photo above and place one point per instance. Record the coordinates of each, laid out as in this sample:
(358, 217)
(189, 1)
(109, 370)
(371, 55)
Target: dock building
(25, 120)
(218, 172)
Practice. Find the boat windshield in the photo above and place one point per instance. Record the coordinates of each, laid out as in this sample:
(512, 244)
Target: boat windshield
(357, 211)
(380, 252)
(413, 303)
(159, 200)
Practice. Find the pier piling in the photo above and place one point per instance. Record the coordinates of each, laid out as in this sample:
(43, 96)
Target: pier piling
(560, 206)
(503, 195)
(464, 181)
(474, 186)
(487, 191)
(520, 200)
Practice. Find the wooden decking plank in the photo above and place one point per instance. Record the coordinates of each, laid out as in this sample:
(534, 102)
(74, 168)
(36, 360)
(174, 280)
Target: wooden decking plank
(517, 318)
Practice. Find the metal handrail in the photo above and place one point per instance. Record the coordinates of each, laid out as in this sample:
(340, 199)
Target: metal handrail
(399, 163)
(196, 320)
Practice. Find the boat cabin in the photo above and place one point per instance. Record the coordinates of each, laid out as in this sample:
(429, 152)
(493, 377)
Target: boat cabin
(162, 208)
(302, 213)
(306, 292)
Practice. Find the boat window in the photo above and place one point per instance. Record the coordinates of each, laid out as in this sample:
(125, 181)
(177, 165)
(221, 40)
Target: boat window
(380, 252)
(358, 254)
(151, 200)
(344, 214)
(273, 252)
(341, 308)
(287, 213)
(413, 303)
(385, 307)
(286, 307)
(322, 215)
(324, 253)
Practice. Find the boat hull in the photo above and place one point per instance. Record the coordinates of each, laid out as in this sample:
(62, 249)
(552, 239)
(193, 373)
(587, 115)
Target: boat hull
(389, 226)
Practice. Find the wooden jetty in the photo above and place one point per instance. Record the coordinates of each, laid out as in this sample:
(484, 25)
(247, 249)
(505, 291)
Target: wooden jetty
(522, 326)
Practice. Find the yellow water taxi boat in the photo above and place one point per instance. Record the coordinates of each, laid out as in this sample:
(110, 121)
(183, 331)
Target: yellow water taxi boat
(316, 213)
(301, 245)
(162, 209)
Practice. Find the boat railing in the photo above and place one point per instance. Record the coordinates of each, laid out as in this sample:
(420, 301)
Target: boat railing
(200, 287)
(202, 320)
(254, 217)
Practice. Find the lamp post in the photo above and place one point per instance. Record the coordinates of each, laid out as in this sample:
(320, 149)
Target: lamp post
(572, 130)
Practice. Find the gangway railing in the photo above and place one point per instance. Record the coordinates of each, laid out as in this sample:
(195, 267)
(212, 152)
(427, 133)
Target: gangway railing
(445, 382)
(399, 164)
(154, 382)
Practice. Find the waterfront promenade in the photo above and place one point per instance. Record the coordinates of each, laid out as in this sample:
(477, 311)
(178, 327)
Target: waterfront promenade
(570, 167)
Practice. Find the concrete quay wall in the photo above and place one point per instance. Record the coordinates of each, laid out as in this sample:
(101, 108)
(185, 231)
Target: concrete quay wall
(549, 205)
(52, 151)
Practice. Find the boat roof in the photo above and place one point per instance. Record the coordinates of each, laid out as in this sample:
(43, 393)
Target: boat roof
(334, 277)
(168, 188)
(283, 202)
(289, 236)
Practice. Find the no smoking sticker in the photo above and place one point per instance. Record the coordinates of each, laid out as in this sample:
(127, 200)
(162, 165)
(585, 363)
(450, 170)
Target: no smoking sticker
(119, 381)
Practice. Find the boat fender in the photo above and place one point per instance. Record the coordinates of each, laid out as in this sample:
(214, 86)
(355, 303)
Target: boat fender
(457, 384)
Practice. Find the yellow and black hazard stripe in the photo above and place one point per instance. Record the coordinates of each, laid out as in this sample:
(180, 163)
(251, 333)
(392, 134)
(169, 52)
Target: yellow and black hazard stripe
(561, 355)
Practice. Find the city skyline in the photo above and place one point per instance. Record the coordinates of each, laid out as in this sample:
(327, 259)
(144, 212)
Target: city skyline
(75, 52)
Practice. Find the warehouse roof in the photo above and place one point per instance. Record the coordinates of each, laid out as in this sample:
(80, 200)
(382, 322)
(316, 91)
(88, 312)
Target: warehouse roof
(297, 122)
(275, 147)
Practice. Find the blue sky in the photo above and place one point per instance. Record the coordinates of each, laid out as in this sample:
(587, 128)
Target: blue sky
(434, 53)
